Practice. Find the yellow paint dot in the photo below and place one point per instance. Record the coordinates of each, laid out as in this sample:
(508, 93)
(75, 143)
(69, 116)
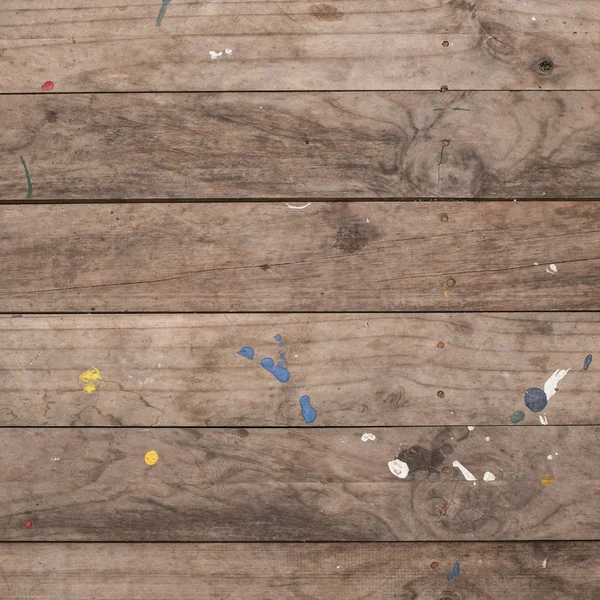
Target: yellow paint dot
(91, 380)
(548, 480)
(151, 457)
(447, 293)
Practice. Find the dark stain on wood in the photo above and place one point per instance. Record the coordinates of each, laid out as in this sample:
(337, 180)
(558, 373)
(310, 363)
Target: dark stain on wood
(326, 12)
(420, 459)
(350, 239)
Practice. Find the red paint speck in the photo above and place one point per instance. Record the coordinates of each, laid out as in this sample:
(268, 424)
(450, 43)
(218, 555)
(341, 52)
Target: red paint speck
(28, 524)
(48, 86)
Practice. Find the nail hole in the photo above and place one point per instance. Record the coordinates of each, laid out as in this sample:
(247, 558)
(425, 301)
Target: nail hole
(444, 88)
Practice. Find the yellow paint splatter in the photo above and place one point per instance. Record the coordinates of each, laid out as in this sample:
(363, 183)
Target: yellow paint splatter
(151, 457)
(447, 293)
(91, 380)
(548, 480)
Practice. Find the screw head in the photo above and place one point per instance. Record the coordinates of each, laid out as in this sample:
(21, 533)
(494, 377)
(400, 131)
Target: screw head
(440, 394)
(444, 217)
(440, 345)
(445, 43)
(451, 282)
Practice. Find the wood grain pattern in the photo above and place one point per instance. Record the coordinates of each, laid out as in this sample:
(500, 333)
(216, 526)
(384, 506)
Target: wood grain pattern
(265, 257)
(302, 145)
(361, 369)
(489, 571)
(298, 484)
(299, 45)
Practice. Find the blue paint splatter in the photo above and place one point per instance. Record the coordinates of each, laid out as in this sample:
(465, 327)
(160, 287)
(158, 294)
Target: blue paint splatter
(339, 389)
(449, 576)
(278, 371)
(162, 12)
(456, 569)
(278, 337)
(274, 519)
(247, 352)
(536, 399)
(281, 345)
(283, 357)
(587, 362)
(308, 412)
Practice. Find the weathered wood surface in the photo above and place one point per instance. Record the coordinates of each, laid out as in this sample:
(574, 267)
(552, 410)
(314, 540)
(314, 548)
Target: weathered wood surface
(360, 370)
(321, 484)
(263, 257)
(302, 145)
(489, 571)
(299, 45)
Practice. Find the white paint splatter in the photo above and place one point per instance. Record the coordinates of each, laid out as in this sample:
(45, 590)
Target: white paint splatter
(543, 419)
(550, 387)
(487, 476)
(298, 207)
(398, 468)
(544, 563)
(228, 51)
(55, 459)
(550, 457)
(552, 269)
(214, 55)
(368, 437)
(343, 440)
(533, 19)
(487, 438)
(466, 473)
(556, 454)
(470, 427)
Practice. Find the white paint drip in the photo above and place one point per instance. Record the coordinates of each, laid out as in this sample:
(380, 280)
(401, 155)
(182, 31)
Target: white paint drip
(298, 207)
(550, 457)
(544, 563)
(366, 437)
(487, 476)
(470, 427)
(550, 387)
(398, 468)
(466, 473)
(552, 269)
(228, 51)
(487, 438)
(55, 459)
(214, 55)
(543, 419)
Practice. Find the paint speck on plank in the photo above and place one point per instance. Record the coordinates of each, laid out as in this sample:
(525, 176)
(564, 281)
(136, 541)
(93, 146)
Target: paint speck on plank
(368, 437)
(544, 563)
(517, 417)
(488, 476)
(550, 457)
(550, 387)
(466, 473)
(228, 51)
(587, 362)
(552, 269)
(548, 480)
(277, 370)
(246, 352)
(91, 380)
(48, 86)
(214, 55)
(536, 399)
(398, 468)
(298, 207)
(151, 457)
(543, 419)
(162, 12)
(470, 427)
(308, 412)
(487, 438)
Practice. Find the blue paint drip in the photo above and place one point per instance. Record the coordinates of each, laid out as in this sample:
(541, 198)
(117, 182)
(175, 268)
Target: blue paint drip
(308, 412)
(283, 358)
(162, 12)
(281, 345)
(449, 576)
(587, 362)
(456, 569)
(247, 352)
(278, 337)
(536, 399)
(278, 371)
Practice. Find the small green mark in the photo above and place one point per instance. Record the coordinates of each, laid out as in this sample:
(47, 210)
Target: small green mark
(518, 417)
(29, 186)
(467, 109)
(438, 109)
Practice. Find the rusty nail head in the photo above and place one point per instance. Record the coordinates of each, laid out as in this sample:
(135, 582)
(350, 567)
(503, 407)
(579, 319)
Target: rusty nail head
(445, 43)
(451, 282)
(444, 217)
(440, 394)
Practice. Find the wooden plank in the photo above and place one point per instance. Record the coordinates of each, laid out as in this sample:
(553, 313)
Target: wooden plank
(359, 370)
(279, 571)
(299, 45)
(261, 257)
(321, 484)
(303, 145)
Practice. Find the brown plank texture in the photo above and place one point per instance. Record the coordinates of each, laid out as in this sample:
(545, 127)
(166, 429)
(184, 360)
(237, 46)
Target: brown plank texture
(320, 484)
(302, 145)
(360, 369)
(265, 257)
(489, 571)
(299, 45)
